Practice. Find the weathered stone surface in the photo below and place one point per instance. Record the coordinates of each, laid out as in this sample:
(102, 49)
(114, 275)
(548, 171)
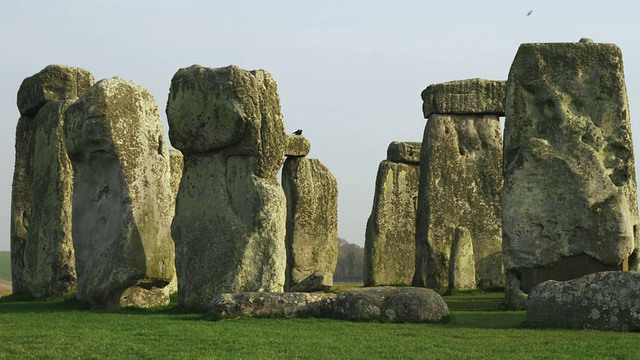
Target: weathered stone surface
(473, 96)
(404, 152)
(273, 304)
(21, 203)
(122, 198)
(389, 246)
(297, 145)
(227, 108)
(42, 246)
(230, 222)
(600, 301)
(460, 185)
(318, 281)
(462, 267)
(176, 162)
(390, 304)
(53, 83)
(312, 219)
(569, 199)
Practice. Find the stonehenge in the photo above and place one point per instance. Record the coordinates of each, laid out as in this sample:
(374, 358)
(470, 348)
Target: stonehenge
(390, 232)
(230, 216)
(121, 204)
(42, 254)
(569, 205)
(103, 208)
(460, 181)
(312, 219)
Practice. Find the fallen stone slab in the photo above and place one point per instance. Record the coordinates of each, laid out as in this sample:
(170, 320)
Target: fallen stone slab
(289, 304)
(607, 300)
(391, 304)
(318, 281)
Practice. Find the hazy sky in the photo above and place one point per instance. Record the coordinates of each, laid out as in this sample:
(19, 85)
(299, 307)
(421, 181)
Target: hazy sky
(349, 73)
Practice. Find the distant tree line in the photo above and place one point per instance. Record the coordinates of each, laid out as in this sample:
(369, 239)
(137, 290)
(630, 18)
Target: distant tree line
(350, 262)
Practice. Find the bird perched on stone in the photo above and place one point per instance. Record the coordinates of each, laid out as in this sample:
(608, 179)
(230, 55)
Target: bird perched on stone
(298, 132)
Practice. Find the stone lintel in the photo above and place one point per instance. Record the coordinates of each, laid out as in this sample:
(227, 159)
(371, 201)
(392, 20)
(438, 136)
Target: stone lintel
(297, 145)
(404, 152)
(473, 96)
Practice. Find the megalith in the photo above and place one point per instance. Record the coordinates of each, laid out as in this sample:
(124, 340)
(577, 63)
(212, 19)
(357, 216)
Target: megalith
(389, 247)
(229, 225)
(121, 196)
(42, 255)
(176, 161)
(312, 219)
(460, 180)
(569, 200)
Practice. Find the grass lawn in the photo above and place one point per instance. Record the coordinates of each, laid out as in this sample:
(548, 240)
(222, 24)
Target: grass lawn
(478, 329)
(5, 265)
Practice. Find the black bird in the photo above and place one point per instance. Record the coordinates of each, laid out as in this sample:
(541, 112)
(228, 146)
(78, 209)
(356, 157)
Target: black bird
(298, 132)
(529, 13)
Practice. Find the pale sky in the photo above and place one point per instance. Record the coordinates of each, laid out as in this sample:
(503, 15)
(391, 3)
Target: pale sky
(349, 73)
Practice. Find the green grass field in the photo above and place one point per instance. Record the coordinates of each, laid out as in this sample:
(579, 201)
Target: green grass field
(5, 265)
(59, 329)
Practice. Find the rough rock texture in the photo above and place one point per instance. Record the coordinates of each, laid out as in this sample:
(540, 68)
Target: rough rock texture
(122, 199)
(404, 152)
(297, 145)
(53, 83)
(389, 246)
(460, 185)
(462, 267)
(390, 304)
(49, 262)
(473, 96)
(273, 304)
(601, 301)
(569, 198)
(312, 219)
(230, 222)
(176, 161)
(317, 281)
(42, 258)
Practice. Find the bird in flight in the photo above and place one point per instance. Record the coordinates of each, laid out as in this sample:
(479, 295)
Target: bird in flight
(298, 132)
(529, 13)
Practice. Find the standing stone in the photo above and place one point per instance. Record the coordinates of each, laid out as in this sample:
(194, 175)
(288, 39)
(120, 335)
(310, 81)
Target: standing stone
(462, 267)
(389, 246)
(42, 255)
(312, 221)
(122, 198)
(229, 227)
(460, 181)
(176, 162)
(569, 199)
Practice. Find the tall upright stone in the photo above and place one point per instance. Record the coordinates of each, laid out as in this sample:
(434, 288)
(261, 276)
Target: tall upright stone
(229, 227)
(42, 255)
(176, 162)
(569, 199)
(122, 197)
(460, 180)
(312, 218)
(390, 238)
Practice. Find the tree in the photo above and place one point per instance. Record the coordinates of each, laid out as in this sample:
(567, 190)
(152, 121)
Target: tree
(350, 262)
